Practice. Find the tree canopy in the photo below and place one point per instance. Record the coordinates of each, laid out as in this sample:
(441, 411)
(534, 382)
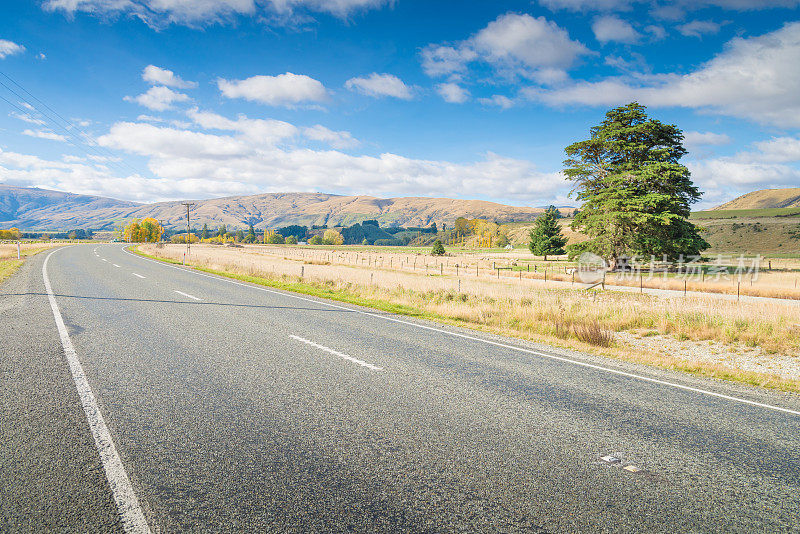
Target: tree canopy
(635, 193)
(145, 231)
(545, 236)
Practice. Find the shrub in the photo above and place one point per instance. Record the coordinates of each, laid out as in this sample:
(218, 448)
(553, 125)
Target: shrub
(332, 237)
(593, 334)
(438, 248)
(273, 238)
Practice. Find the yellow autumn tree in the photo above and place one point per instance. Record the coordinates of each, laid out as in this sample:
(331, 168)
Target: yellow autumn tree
(11, 233)
(145, 231)
(332, 237)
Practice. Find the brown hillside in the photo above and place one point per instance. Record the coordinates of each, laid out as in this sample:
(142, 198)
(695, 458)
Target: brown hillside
(765, 198)
(49, 210)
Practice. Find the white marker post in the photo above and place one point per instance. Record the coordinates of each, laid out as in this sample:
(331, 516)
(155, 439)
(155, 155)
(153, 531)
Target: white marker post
(18, 251)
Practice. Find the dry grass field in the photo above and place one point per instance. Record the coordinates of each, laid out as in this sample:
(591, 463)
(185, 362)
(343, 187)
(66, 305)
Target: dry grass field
(756, 342)
(8, 256)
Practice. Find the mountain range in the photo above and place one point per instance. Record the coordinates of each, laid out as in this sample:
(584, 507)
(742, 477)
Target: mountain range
(42, 209)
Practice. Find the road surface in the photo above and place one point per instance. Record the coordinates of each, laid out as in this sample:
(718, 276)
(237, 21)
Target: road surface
(221, 406)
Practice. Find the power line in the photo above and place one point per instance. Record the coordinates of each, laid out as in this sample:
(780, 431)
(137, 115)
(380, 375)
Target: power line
(98, 151)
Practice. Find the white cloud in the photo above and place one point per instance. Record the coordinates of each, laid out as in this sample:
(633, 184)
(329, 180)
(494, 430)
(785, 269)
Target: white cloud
(26, 118)
(656, 32)
(158, 76)
(613, 29)
(588, 5)
(754, 78)
(780, 149)
(339, 140)
(9, 48)
(257, 131)
(282, 90)
(694, 140)
(513, 44)
(44, 134)
(209, 164)
(500, 101)
(452, 93)
(667, 8)
(378, 85)
(158, 98)
(159, 13)
(698, 28)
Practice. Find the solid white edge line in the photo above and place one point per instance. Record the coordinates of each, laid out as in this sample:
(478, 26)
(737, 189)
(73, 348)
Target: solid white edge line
(186, 294)
(131, 514)
(488, 342)
(336, 353)
(138, 275)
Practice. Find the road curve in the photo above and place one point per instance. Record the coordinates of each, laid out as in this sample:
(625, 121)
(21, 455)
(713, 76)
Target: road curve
(234, 408)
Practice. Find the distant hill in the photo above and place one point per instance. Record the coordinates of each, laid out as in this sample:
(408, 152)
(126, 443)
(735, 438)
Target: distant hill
(40, 209)
(765, 198)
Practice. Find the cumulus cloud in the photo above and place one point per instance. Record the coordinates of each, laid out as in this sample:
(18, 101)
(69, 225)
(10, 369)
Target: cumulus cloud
(754, 78)
(44, 134)
(287, 89)
(224, 159)
(452, 93)
(159, 13)
(340, 140)
(698, 28)
(500, 101)
(9, 48)
(520, 44)
(258, 131)
(378, 85)
(779, 149)
(694, 140)
(158, 76)
(158, 98)
(613, 29)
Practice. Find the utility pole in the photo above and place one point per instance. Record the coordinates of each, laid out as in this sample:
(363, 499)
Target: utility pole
(188, 228)
(160, 230)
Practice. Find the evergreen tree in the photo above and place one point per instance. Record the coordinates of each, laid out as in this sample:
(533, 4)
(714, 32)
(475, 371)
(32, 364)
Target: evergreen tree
(546, 238)
(222, 231)
(636, 195)
(438, 248)
(204, 234)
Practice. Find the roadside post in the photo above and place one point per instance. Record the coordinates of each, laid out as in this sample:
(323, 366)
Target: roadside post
(18, 251)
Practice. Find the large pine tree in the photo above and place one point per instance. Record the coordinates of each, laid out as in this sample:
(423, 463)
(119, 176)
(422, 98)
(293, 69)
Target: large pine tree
(546, 238)
(636, 195)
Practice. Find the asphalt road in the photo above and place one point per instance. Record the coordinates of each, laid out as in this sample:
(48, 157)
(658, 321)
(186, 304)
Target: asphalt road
(234, 408)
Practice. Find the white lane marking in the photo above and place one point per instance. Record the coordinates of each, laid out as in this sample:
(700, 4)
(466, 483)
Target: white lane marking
(336, 353)
(104, 259)
(186, 294)
(489, 342)
(115, 265)
(139, 275)
(133, 520)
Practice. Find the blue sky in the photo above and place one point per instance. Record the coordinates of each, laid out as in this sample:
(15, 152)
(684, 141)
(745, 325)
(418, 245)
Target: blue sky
(169, 99)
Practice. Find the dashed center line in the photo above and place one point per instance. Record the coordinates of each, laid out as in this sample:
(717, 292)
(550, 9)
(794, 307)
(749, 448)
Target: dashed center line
(115, 265)
(186, 294)
(104, 259)
(337, 353)
(138, 275)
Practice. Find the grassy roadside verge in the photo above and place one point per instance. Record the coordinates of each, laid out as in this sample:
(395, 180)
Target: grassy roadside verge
(8, 267)
(430, 306)
(10, 264)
